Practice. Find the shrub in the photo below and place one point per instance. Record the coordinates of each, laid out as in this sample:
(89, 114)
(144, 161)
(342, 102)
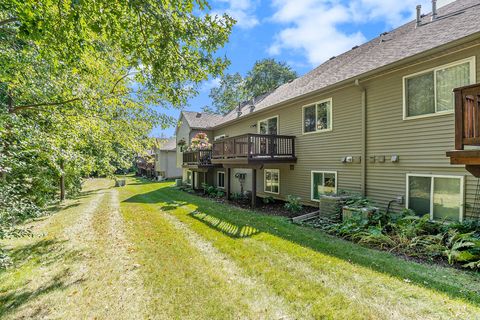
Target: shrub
(293, 204)
(238, 196)
(415, 236)
(268, 200)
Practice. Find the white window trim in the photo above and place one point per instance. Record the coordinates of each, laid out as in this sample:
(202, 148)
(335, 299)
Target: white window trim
(186, 180)
(265, 180)
(316, 116)
(311, 182)
(266, 119)
(473, 80)
(218, 179)
(432, 176)
(219, 137)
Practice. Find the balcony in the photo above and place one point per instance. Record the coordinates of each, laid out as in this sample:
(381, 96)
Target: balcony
(467, 129)
(254, 149)
(198, 158)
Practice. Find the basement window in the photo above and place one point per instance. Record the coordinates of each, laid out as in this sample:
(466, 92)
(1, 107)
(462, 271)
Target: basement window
(431, 92)
(323, 183)
(272, 181)
(317, 117)
(439, 196)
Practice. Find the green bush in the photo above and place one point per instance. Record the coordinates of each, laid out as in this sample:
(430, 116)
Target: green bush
(293, 204)
(268, 200)
(415, 236)
(238, 196)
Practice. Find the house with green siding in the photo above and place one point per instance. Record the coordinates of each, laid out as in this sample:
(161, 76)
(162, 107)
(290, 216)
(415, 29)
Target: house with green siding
(376, 120)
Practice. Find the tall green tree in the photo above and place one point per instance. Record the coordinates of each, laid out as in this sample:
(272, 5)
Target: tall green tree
(228, 94)
(265, 76)
(78, 79)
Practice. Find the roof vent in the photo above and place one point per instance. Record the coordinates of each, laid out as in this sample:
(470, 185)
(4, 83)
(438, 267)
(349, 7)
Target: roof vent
(199, 114)
(354, 47)
(239, 113)
(434, 9)
(419, 15)
(332, 58)
(252, 108)
(383, 34)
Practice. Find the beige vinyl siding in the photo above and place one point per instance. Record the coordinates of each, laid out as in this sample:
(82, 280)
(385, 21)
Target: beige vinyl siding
(315, 151)
(183, 132)
(420, 143)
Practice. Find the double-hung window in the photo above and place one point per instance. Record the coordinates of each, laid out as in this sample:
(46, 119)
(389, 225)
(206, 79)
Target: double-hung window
(431, 92)
(439, 196)
(268, 126)
(272, 181)
(323, 183)
(221, 179)
(317, 117)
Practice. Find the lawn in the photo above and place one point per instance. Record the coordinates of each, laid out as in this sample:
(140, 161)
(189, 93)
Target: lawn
(149, 250)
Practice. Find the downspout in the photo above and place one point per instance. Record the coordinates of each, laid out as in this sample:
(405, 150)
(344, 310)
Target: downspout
(363, 160)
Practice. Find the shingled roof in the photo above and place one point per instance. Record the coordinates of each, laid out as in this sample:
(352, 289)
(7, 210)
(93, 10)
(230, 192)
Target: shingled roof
(202, 120)
(455, 21)
(168, 144)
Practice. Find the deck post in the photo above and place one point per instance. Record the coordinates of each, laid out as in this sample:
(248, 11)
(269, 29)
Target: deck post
(193, 180)
(204, 181)
(458, 119)
(227, 184)
(254, 188)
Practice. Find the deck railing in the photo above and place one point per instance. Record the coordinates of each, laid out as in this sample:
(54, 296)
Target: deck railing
(199, 157)
(255, 146)
(467, 116)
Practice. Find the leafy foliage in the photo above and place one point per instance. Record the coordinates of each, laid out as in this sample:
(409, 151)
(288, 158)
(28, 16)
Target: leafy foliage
(77, 83)
(213, 191)
(415, 236)
(293, 204)
(265, 76)
(229, 93)
(268, 200)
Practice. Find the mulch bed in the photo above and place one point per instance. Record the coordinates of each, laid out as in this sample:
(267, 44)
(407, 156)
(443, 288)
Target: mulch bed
(275, 209)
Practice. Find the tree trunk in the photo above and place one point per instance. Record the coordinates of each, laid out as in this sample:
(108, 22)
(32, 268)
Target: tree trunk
(62, 182)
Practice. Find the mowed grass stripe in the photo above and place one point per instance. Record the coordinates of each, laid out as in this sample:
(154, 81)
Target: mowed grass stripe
(182, 283)
(366, 293)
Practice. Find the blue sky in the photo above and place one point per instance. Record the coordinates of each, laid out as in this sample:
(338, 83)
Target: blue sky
(303, 33)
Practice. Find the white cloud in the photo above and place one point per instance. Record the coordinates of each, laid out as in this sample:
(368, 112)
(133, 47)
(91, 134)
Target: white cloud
(243, 11)
(314, 27)
(212, 83)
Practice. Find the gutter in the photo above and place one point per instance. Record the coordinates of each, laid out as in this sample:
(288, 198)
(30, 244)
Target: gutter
(363, 160)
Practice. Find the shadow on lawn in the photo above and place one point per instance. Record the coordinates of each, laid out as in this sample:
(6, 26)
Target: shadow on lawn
(238, 223)
(42, 253)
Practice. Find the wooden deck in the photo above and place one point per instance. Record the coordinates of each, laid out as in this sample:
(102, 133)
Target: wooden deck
(254, 149)
(467, 129)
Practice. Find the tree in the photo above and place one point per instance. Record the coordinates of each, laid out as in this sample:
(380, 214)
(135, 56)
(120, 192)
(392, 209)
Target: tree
(228, 94)
(265, 76)
(77, 81)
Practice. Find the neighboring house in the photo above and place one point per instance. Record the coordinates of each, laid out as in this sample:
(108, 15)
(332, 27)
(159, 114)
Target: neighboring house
(166, 159)
(376, 120)
(190, 124)
(146, 164)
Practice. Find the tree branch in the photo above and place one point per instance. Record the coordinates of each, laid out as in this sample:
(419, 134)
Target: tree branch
(7, 21)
